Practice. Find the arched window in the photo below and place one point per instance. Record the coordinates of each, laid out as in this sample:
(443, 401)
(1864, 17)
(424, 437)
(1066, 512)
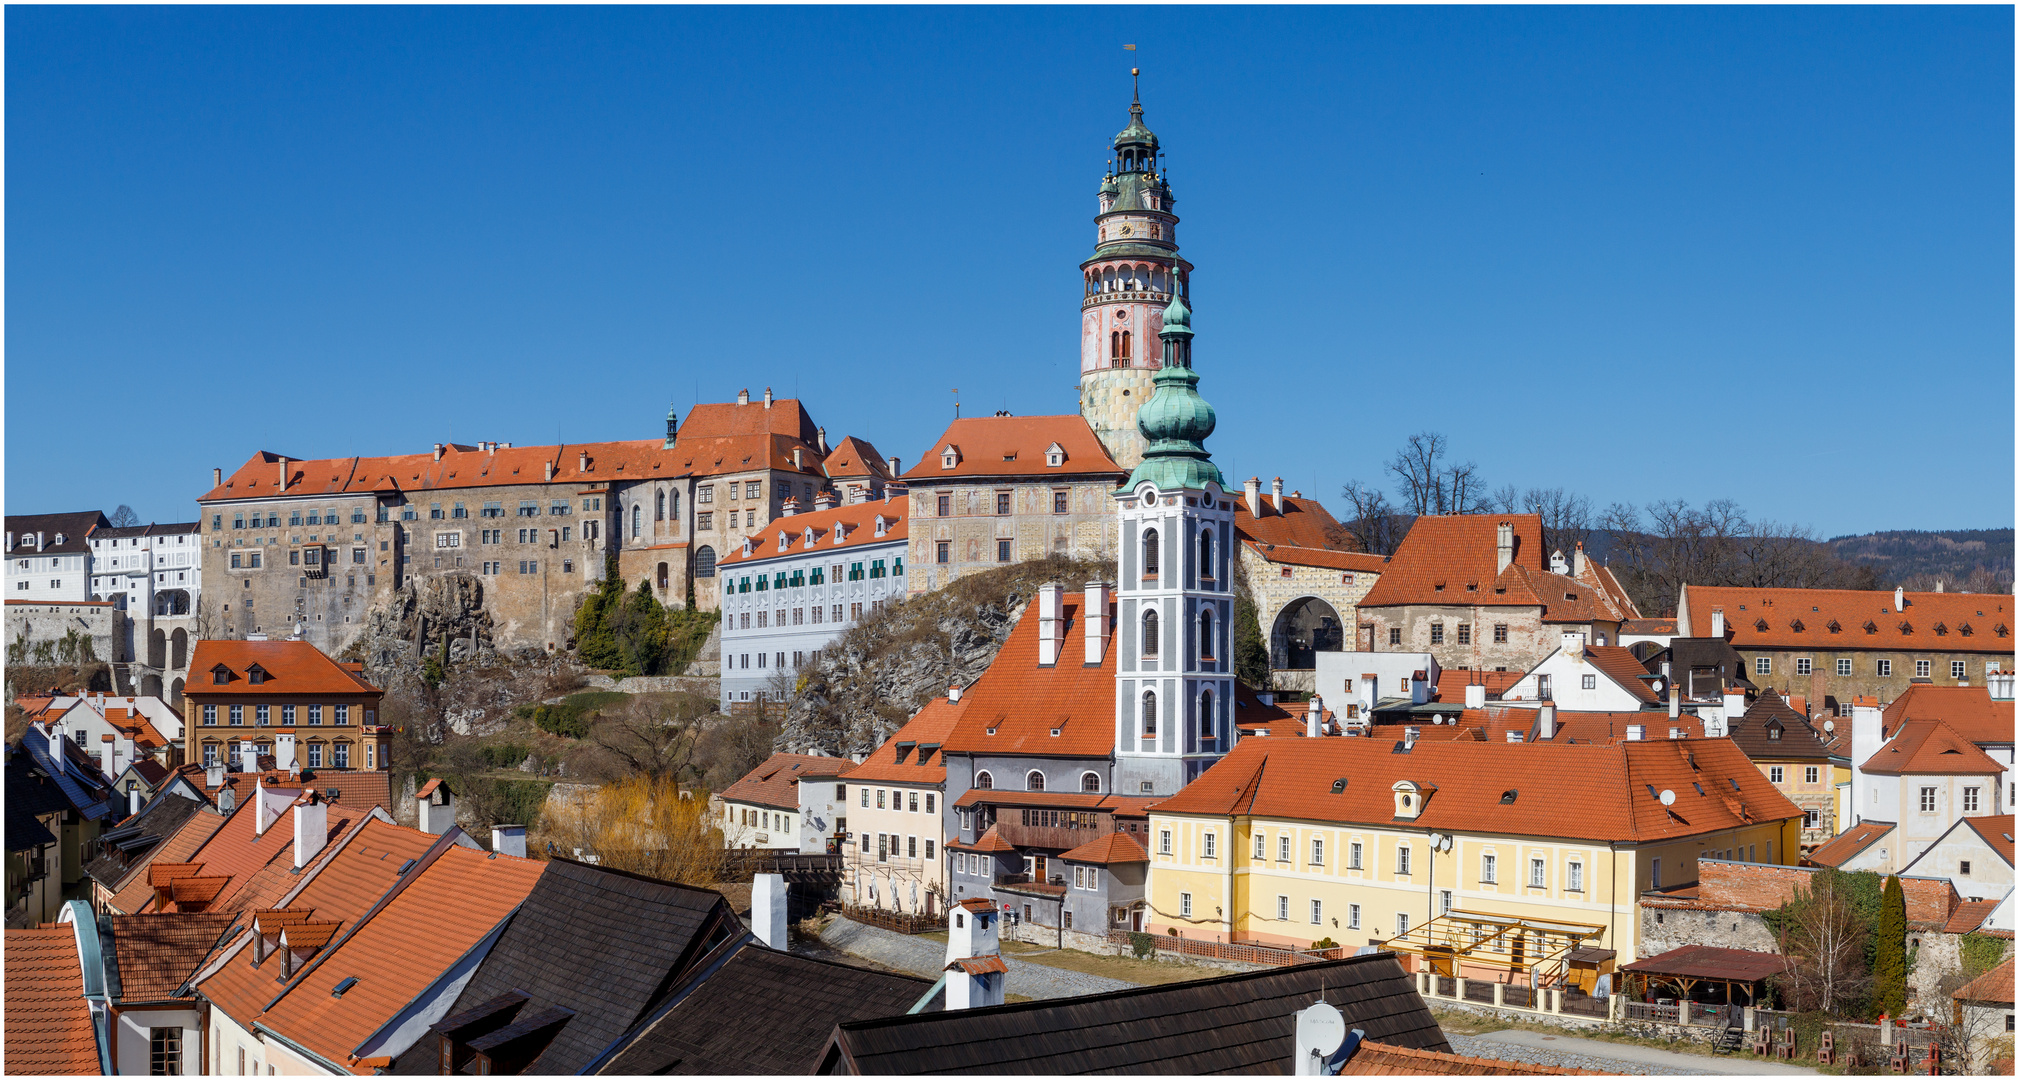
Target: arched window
(1206, 554)
(659, 514)
(1149, 633)
(1125, 348)
(1034, 781)
(1150, 714)
(1090, 782)
(637, 520)
(984, 781)
(1115, 347)
(1149, 553)
(1207, 729)
(1207, 644)
(704, 562)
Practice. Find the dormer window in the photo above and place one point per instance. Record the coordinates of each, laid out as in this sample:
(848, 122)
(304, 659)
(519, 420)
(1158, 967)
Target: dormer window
(1941, 629)
(882, 526)
(220, 675)
(840, 534)
(1409, 798)
(255, 675)
(1797, 626)
(1871, 627)
(1836, 627)
(949, 457)
(1760, 625)
(807, 538)
(1055, 455)
(784, 541)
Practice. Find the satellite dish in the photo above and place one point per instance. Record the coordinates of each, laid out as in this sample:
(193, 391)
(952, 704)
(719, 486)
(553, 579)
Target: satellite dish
(1444, 844)
(1320, 1030)
(1657, 686)
(1667, 797)
(1829, 727)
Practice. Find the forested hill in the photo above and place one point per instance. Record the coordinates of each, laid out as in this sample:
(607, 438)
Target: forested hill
(1960, 558)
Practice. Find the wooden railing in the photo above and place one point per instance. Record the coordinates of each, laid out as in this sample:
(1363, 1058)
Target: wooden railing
(1240, 951)
(897, 921)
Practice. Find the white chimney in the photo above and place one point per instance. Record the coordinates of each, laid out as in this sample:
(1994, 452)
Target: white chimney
(953, 693)
(1475, 695)
(1255, 506)
(133, 801)
(264, 813)
(767, 397)
(1636, 732)
(1419, 687)
(248, 757)
(549, 470)
(1503, 545)
(1276, 494)
(1050, 602)
(1557, 563)
(123, 750)
(1578, 562)
(1717, 622)
(582, 462)
(1410, 735)
(1735, 703)
(1674, 701)
(1573, 644)
(1096, 616)
(508, 840)
(1899, 598)
(213, 776)
(283, 751)
(438, 451)
(283, 473)
(1313, 726)
(743, 396)
(1545, 727)
(767, 907)
(105, 757)
(1999, 685)
(311, 827)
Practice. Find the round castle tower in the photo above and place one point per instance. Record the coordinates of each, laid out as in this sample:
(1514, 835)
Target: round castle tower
(1127, 284)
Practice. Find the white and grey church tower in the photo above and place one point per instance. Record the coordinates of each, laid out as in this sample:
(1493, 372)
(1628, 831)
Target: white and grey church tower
(1174, 604)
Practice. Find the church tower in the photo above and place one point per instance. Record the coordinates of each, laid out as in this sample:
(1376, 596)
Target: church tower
(1126, 284)
(1174, 605)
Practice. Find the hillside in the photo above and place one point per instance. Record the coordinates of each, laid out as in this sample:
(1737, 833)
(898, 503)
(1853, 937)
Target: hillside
(1975, 560)
(889, 665)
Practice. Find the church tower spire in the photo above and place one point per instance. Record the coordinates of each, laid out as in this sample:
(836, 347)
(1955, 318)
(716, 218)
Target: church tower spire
(1133, 274)
(1174, 605)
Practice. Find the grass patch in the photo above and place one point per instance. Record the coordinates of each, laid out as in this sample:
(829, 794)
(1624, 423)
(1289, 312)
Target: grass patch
(1460, 1022)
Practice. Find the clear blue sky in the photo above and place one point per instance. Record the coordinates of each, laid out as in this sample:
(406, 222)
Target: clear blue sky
(1756, 253)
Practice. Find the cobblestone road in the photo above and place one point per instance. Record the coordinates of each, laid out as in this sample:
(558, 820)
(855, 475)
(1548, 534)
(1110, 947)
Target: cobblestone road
(925, 957)
(1570, 1052)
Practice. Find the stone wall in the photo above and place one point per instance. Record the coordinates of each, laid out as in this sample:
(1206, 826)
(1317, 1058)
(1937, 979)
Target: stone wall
(64, 633)
(1662, 929)
(1273, 590)
(1528, 639)
(1824, 687)
(971, 528)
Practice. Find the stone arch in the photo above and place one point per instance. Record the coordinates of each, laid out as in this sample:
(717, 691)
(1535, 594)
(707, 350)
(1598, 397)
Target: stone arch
(175, 693)
(1304, 628)
(1644, 651)
(150, 686)
(157, 648)
(178, 650)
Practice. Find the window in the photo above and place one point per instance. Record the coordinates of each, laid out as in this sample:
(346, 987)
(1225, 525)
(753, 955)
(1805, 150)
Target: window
(1034, 781)
(943, 552)
(1970, 799)
(1576, 877)
(1812, 819)
(911, 799)
(1261, 846)
(1282, 909)
(1150, 714)
(1956, 669)
(1843, 667)
(1927, 800)
(1803, 666)
(1150, 634)
(1185, 904)
(237, 715)
(1402, 862)
(1885, 667)
(1590, 682)
(1923, 668)
(1437, 633)
(1317, 851)
(1353, 851)
(1488, 868)
(982, 780)
(1089, 782)
(1002, 551)
(264, 714)
(1500, 633)
(1811, 773)
(1775, 774)
(1964, 867)
(1209, 845)
(1538, 873)
(1353, 916)
(1394, 635)
(1465, 633)
(1444, 901)
(1654, 874)
(1283, 847)
(1059, 502)
(210, 715)
(1164, 842)
(1150, 548)
(164, 1051)
(287, 715)
(1763, 665)
(315, 755)
(1317, 912)
(1401, 922)
(343, 714)
(1002, 503)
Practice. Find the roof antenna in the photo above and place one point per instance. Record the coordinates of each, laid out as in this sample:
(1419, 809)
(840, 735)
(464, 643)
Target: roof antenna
(956, 403)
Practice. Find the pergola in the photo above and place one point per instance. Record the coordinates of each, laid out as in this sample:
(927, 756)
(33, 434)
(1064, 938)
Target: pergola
(1517, 945)
(1690, 966)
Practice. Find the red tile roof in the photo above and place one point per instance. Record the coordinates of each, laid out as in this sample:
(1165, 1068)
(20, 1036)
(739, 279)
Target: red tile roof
(1302, 524)
(1967, 709)
(1969, 915)
(989, 841)
(1949, 622)
(856, 459)
(1993, 985)
(1839, 848)
(1598, 792)
(1996, 831)
(1930, 747)
(1457, 551)
(49, 1030)
(1025, 703)
(1016, 446)
(1115, 847)
(1384, 1059)
(1350, 561)
(1649, 627)
(1451, 683)
(929, 726)
(158, 953)
(136, 894)
(980, 965)
(857, 522)
(292, 667)
(776, 782)
(1621, 667)
(233, 859)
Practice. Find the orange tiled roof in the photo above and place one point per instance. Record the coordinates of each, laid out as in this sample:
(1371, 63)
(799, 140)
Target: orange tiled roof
(1351, 561)
(929, 726)
(1459, 552)
(1025, 703)
(136, 893)
(856, 459)
(1839, 848)
(49, 1030)
(1303, 523)
(775, 783)
(1115, 847)
(1015, 446)
(1993, 985)
(1451, 683)
(1598, 792)
(856, 520)
(1865, 619)
(1969, 915)
(989, 841)
(1996, 831)
(1384, 1059)
(292, 667)
(980, 965)
(1621, 666)
(235, 859)
(1930, 748)
(1649, 627)
(1969, 710)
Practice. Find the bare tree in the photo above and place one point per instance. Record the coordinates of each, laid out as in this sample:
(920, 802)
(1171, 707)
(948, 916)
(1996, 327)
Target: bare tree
(124, 517)
(1566, 518)
(1373, 526)
(652, 735)
(1822, 941)
(643, 825)
(1430, 483)
(1671, 543)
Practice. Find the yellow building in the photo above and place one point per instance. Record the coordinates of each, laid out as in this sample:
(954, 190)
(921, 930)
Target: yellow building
(1803, 761)
(1289, 841)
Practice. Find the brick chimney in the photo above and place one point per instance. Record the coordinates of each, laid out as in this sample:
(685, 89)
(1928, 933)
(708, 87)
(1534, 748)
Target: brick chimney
(1096, 616)
(217, 478)
(1503, 546)
(1051, 601)
(767, 397)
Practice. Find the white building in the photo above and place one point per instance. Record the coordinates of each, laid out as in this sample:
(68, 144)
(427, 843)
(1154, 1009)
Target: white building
(1975, 855)
(763, 809)
(1352, 683)
(116, 731)
(790, 592)
(154, 574)
(49, 556)
(1581, 678)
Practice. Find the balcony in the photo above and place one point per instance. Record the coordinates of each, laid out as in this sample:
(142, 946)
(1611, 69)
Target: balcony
(1046, 837)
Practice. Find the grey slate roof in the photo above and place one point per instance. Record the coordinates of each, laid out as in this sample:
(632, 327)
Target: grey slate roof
(1235, 1024)
(752, 1009)
(75, 527)
(121, 849)
(604, 943)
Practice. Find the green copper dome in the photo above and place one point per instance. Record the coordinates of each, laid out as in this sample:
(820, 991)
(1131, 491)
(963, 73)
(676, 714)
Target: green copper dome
(1176, 421)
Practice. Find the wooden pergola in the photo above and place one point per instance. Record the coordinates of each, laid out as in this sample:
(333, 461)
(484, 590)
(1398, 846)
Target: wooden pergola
(1515, 945)
(1691, 966)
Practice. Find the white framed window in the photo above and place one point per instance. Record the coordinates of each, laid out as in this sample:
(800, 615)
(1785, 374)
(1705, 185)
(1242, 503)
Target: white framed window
(1927, 800)
(1885, 667)
(1538, 873)
(1353, 916)
(1923, 668)
(1970, 799)
(1776, 774)
(1283, 848)
(1488, 868)
(1654, 873)
(1207, 842)
(1444, 901)
(1401, 922)
(1402, 861)
(1811, 773)
(1956, 670)
(1803, 665)
(1164, 842)
(1185, 904)
(1843, 666)
(1317, 912)
(1282, 909)
(1317, 851)
(1261, 845)
(1353, 851)
(1576, 871)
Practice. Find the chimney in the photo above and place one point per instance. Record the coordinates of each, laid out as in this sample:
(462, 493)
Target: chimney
(1409, 737)
(226, 800)
(767, 910)
(798, 452)
(132, 801)
(122, 749)
(508, 840)
(1545, 727)
(972, 934)
(1735, 703)
(248, 757)
(1276, 495)
(1999, 685)
(743, 396)
(1636, 732)
(437, 809)
(262, 810)
(953, 693)
(311, 827)
(1899, 598)
(820, 441)
(283, 751)
(1503, 545)
(216, 477)
(767, 397)
(1573, 644)
(283, 470)
(1314, 725)
(438, 451)
(1051, 598)
(213, 776)
(1475, 695)
(823, 499)
(549, 463)
(895, 472)
(1578, 564)
(105, 757)
(1717, 623)
(1674, 702)
(1096, 617)
(1255, 496)
(789, 507)
(1938, 585)
(582, 462)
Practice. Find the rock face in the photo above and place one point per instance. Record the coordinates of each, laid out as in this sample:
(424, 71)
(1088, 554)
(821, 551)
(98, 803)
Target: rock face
(875, 676)
(413, 622)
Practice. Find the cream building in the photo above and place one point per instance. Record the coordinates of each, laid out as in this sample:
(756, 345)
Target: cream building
(895, 856)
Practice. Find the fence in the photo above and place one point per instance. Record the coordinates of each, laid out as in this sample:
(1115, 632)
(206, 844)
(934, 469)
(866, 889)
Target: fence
(897, 921)
(1238, 951)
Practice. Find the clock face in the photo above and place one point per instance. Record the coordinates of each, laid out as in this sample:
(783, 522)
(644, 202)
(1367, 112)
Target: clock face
(1128, 230)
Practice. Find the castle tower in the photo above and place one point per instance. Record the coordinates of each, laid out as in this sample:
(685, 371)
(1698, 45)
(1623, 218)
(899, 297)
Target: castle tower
(1174, 610)
(1126, 284)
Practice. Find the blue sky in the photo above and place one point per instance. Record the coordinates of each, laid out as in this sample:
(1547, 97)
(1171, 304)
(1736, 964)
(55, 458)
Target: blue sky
(1642, 253)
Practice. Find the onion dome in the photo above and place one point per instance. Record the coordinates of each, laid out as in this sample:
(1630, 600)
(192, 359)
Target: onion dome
(1176, 420)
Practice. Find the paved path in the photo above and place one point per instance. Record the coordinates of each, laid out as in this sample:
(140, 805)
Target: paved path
(926, 958)
(1571, 1052)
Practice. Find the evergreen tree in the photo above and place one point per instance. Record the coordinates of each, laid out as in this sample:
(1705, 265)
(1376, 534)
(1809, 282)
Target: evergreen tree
(1889, 966)
(1251, 652)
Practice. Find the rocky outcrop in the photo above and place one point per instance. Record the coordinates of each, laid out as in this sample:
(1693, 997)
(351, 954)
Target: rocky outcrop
(885, 668)
(412, 624)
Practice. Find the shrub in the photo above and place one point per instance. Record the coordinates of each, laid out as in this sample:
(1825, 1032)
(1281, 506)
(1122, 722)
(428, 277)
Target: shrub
(1142, 945)
(1324, 943)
